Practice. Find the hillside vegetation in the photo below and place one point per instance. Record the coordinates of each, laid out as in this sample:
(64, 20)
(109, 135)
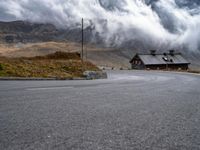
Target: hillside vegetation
(59, 65)
(98, 56)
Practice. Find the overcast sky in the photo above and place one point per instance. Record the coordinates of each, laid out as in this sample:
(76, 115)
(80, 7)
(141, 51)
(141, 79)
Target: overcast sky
(5, 16)
(151, 21)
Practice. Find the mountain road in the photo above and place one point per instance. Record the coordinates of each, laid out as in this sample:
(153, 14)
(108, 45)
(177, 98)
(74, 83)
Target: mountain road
(129, 110)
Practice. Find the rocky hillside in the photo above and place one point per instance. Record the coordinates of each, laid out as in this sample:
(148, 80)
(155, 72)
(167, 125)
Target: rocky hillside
(20, 38)
(100, 56)
(19, 31)
(27, 39)
(27, 32)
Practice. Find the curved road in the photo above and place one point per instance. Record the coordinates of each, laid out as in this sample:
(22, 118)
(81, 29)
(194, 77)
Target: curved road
(130, 110)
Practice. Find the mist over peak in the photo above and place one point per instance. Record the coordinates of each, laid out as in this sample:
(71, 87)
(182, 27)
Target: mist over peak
(158, 24)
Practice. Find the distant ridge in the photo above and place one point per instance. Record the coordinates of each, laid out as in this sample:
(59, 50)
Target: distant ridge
(27, 32)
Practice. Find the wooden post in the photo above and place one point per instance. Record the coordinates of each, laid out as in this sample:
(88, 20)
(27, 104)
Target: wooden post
(82, 39)
(82, 31)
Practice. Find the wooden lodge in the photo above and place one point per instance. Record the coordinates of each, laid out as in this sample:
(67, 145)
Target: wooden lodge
(165, 61)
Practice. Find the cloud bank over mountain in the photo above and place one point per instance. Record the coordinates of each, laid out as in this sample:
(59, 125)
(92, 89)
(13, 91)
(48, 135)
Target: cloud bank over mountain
(151, 23)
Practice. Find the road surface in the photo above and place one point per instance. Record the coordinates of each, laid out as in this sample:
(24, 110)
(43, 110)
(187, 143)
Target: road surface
(130, 110)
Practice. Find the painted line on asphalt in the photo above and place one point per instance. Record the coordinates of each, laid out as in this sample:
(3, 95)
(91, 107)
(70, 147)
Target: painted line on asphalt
(47, 88)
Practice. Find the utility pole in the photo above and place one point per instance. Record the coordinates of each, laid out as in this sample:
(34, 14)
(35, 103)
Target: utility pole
(82, 40)
(86, 53)
(82, 49)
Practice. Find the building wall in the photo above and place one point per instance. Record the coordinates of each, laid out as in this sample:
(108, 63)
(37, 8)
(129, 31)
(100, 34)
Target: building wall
(160, 67)
(177, 67)
(168, 67)
(138, 66)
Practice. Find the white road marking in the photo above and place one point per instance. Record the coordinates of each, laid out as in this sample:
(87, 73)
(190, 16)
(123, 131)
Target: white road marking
(47, 88)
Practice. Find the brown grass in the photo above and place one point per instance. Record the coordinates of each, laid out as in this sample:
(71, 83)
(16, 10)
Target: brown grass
(41, 49)
(60, 65)
(194, 71)
(100, 56)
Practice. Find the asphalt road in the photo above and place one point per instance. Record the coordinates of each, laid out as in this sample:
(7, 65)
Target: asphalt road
(130, 110)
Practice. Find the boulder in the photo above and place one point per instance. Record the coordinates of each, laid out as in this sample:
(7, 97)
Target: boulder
(91, 75)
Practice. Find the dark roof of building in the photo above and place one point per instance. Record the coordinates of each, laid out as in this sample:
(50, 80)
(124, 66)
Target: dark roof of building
(161, 59)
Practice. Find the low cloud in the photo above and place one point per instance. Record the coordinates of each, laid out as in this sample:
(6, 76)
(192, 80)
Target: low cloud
(155, 23)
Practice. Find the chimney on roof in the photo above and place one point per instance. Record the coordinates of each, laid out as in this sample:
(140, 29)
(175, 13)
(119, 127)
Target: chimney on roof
(153, 52)
(171, 52)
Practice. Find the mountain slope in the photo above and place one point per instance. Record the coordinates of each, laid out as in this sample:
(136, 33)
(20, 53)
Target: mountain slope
(33, 39)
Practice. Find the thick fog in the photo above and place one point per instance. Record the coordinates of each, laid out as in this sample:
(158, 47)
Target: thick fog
(151, 23)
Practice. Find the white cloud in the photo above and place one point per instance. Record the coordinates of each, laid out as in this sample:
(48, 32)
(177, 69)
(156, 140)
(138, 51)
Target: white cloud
(166, 24)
